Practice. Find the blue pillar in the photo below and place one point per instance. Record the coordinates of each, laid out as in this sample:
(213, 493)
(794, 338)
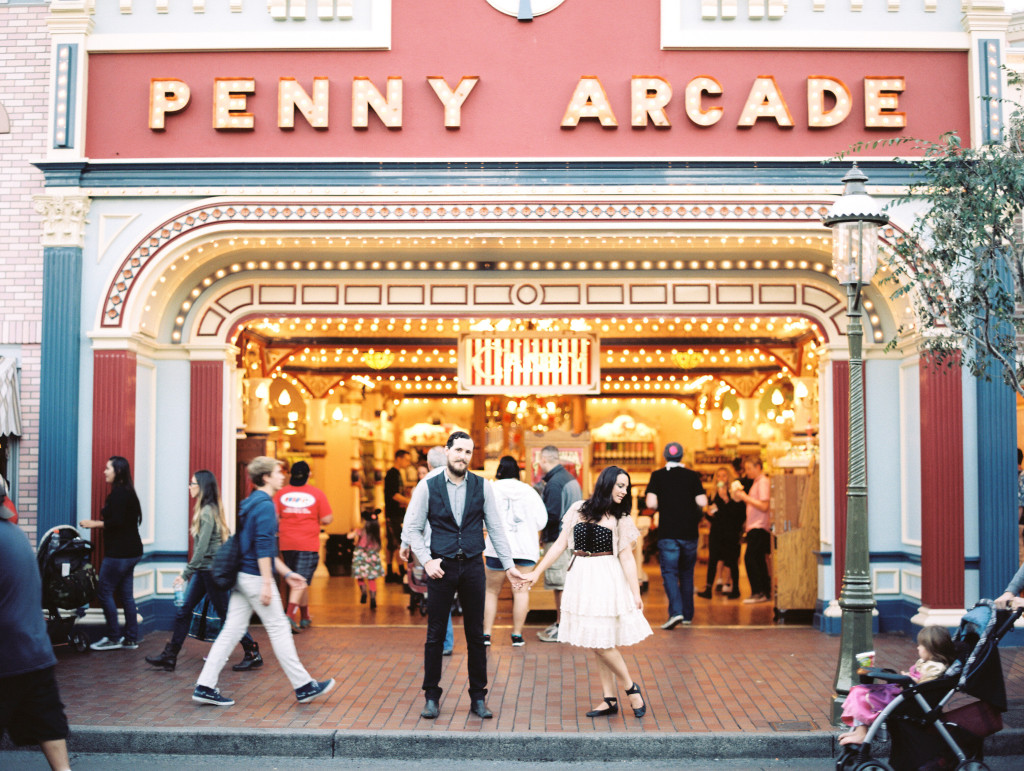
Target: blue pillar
(997, 484)
(58, 398)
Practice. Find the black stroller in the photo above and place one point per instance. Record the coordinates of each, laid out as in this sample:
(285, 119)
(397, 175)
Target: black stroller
(69, 583)
(923, 735)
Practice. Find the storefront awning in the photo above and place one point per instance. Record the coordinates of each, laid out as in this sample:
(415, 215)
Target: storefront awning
(10, 403)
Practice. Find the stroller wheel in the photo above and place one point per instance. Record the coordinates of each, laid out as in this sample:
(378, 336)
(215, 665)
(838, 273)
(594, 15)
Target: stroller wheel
(79, 641)
(873, 765)
(972, 765)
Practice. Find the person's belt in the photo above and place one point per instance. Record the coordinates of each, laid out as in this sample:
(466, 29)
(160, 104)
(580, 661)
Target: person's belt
(457, 556)
(592, 553)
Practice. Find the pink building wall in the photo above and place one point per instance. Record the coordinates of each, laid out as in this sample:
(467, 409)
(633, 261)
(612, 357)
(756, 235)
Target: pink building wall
(24, 76)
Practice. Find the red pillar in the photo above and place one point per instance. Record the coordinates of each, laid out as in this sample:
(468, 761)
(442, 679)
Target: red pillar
(840, 461)
(206, 421)
(113, 424)
(942, 486)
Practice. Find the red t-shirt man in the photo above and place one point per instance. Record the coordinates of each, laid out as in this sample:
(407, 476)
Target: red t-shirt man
(301, 510)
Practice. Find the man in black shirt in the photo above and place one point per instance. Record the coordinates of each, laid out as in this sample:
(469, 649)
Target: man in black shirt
(677, 494)
(395, 501)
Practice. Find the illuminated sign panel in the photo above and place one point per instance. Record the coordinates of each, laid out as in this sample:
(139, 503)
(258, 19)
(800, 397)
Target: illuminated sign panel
(522, 364)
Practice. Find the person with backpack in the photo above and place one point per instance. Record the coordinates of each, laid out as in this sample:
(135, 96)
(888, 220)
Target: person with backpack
(256, 592)
(209, 530)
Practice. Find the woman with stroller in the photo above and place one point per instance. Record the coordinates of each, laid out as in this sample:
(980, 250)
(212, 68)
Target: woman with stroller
(601, 604)
(119, 519)
(209, 530)
(524, 515)
(865, 702)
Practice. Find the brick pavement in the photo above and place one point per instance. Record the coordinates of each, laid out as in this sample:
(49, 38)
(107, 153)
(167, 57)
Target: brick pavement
(697, 679)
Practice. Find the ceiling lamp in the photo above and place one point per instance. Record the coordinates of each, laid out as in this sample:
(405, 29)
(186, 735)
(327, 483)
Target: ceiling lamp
(285, 398)
(378, 360)
(687, 360)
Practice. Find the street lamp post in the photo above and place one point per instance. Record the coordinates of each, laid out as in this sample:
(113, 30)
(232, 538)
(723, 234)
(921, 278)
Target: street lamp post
(855, 219)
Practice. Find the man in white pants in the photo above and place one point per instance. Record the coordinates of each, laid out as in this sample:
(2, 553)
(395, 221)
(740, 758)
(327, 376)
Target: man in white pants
(256, 592)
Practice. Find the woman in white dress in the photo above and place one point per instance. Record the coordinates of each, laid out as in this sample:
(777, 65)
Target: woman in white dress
(601, 605)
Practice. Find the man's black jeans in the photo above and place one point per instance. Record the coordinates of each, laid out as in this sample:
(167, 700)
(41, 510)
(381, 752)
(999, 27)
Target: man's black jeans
(465, 576)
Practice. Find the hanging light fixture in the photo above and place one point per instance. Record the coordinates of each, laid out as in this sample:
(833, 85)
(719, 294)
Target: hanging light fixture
(285, 398)
(378, 360)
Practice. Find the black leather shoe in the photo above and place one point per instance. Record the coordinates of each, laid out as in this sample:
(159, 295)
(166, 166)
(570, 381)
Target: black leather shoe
(706, 594)
(479, 708)
(252, 660)
(641, 710)
(611, 709)
(430, 709)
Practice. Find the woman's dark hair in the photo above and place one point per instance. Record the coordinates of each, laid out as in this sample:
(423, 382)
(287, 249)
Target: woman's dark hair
(371, 526)
(123, 478)
(508, 468)
(122, 472)
(209, 493)
(601, 503)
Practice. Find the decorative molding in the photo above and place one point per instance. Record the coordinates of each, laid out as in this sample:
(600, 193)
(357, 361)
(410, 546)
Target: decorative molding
(63, 219)
(333, 216)
(71, 17)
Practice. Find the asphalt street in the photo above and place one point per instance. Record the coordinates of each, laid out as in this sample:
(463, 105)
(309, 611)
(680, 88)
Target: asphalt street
(33, 761)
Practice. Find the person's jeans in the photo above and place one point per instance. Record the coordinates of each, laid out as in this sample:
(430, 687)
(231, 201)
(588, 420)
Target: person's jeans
(759, 546)
(449, 635)
(677, 559)
(245, 600)
(201, 583)
(465, 576)
(117, 576)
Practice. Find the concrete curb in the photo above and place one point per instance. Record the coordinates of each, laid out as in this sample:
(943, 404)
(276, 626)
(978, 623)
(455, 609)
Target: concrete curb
(537, 747)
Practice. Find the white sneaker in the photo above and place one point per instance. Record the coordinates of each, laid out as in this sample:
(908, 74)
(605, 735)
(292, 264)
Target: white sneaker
(755, 599)
(549, 635)
(673, 622)
(106, 644)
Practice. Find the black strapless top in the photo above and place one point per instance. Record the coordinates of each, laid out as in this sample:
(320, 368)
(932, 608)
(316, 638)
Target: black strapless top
(587, 536)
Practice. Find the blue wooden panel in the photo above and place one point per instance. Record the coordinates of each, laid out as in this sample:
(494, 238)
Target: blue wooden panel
(997, 485)
(741, 174)
(58, 398)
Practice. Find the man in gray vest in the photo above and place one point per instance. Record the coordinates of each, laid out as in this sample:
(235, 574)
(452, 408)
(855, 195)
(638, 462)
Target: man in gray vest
(458, 505)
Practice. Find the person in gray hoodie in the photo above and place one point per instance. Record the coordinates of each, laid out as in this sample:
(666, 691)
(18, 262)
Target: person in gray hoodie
(524, 515)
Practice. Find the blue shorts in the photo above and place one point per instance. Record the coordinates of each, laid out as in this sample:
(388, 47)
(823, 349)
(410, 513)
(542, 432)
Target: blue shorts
(493, 563)
(302, 562)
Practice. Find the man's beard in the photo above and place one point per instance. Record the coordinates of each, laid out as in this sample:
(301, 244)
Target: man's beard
(456, 472)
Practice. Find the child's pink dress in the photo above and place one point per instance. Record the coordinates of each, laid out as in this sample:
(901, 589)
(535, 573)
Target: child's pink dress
(865, 702)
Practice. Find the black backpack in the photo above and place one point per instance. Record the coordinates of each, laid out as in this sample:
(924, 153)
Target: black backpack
(228, 558)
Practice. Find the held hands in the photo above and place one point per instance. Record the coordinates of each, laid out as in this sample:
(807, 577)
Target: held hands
(518, 580)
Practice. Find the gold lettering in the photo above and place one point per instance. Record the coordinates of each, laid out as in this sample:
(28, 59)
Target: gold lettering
(166, 95)
(881, 102)
(651, 94)
(765, 101)
(291, 97)
(229, 103)
(589, 100)
(695, 91)
(817, 115)
(365, 96)
(452, 100)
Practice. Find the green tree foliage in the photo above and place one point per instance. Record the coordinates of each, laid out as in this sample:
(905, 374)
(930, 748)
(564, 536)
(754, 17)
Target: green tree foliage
(961, 262)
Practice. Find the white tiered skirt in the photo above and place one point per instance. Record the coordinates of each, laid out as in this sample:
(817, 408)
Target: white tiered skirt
(598, 609)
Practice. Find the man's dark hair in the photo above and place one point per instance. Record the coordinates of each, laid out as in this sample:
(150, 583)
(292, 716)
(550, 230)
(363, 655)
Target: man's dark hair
(456, 435)
(401, 454)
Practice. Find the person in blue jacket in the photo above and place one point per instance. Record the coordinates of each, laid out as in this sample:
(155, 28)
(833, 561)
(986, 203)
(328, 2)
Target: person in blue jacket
(256, 592)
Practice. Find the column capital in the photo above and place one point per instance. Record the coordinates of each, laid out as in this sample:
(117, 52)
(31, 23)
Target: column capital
(71, 17)
(63, 219)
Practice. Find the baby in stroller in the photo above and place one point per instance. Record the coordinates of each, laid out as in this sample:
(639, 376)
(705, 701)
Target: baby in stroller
(925, 735)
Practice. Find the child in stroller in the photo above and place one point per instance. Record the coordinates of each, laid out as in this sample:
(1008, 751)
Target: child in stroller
(924, 736)
(864, 702)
